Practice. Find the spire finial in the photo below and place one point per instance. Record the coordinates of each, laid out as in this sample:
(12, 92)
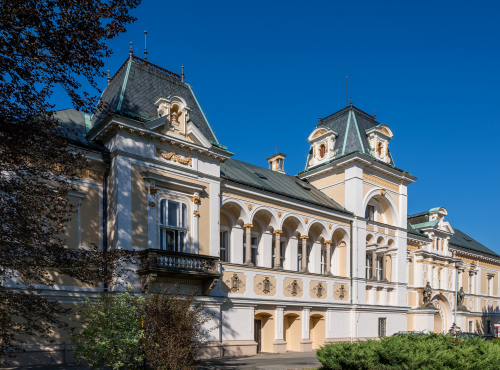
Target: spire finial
(351, 101)
(375, 114)
(130, 52)
(182, 74)
(109, 79)
(145, 46)
(319, 117)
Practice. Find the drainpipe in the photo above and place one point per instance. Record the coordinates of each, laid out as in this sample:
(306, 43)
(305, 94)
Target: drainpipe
(107, 160)
(350, 290)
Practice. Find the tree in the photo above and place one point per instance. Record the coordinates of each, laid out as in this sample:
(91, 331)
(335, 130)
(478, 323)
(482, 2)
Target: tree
(111, 333)
(45, 43)
(174, 325)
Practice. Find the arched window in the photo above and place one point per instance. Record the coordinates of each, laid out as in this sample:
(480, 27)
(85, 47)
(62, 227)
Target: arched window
(174, 225)
(322, 150)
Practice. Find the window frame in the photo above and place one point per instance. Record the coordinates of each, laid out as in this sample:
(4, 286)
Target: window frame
(182, 218)
(224, 232)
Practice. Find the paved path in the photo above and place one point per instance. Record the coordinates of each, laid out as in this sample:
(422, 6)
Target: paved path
(271, 361)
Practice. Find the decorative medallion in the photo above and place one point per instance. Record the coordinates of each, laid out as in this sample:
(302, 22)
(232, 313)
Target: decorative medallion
(330, 226)
(152, 204)
(265, 285)
(250, 207)
(172, 156)
(234, 283)
(153, 190)
(196, 200)
(306, 220)
(293, 288)
(196, 213)
(319, 290)
(280, 214)
(382, 192)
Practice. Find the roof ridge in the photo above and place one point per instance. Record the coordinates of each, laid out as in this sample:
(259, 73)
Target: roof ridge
(345, 110)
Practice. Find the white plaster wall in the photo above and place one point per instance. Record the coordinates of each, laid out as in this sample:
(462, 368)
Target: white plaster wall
(237, 323)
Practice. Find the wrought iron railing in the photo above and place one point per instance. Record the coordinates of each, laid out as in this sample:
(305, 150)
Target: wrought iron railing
(158, 260)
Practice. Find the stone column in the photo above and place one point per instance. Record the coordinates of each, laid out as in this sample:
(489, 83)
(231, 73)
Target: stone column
(304, 253)
(305, 343)
(248, 242)
(277, 249)
(328, 257)
(279, 345)
(374, 265)
(384, 265)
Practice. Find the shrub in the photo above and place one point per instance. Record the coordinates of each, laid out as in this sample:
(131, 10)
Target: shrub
(411, 352)
(174, 329)
(111, 333)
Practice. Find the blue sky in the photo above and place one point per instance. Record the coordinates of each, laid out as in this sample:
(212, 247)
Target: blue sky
(263, 70)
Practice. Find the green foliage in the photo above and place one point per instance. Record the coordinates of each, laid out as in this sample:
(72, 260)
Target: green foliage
(111, 333)
(412, 352)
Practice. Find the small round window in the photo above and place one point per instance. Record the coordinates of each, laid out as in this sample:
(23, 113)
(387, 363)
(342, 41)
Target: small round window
(322, 150)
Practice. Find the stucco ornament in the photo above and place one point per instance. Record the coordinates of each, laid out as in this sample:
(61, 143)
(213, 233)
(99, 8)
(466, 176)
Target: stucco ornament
(235, 283)
(294, 288)
(265, 285)
(427, 295)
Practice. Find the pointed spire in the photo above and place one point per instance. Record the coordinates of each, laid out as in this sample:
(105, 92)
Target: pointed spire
(351, 101)
(375, 114)
(130, 52)
(109, 78)
(182, 74)
(145, 46)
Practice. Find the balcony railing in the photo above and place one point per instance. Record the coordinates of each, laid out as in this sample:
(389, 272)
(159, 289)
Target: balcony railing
(157, 260)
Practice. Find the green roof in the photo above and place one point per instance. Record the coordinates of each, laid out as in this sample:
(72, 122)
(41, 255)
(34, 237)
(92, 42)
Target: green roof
(426, 224)
(277, 183)
(462, 240)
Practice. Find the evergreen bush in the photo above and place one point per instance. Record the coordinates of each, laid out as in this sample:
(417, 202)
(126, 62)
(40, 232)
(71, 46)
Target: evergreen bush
(412, 352)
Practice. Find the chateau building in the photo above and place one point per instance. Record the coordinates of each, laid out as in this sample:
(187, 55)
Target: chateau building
(286, 262)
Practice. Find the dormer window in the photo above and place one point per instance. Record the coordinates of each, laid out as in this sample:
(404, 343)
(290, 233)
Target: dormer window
(322, 142)
(378, 138)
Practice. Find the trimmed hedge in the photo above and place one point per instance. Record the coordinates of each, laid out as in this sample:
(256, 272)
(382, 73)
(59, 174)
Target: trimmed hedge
(412, 352)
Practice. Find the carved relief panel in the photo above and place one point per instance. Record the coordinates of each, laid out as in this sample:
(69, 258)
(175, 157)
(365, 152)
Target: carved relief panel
(233, 282)
(293, 288)
(318, 289)
(265, 285)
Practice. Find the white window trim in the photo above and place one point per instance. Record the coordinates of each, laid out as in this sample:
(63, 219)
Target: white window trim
(187, 241)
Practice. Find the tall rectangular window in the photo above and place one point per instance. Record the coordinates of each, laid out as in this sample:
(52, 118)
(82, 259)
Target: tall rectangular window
(471, 285)
(379, 271)
(370, 212)
(174, 225)
(299, 258)
(471, 326)
(488, 285)
(323, 261)
(224, 246)
(382, 326)
(255, 250)
(368, 266)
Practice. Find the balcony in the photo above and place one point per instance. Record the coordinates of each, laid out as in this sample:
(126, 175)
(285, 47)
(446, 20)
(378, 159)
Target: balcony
(156, 263)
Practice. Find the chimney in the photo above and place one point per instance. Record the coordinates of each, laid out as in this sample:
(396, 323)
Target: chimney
(277, 162)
